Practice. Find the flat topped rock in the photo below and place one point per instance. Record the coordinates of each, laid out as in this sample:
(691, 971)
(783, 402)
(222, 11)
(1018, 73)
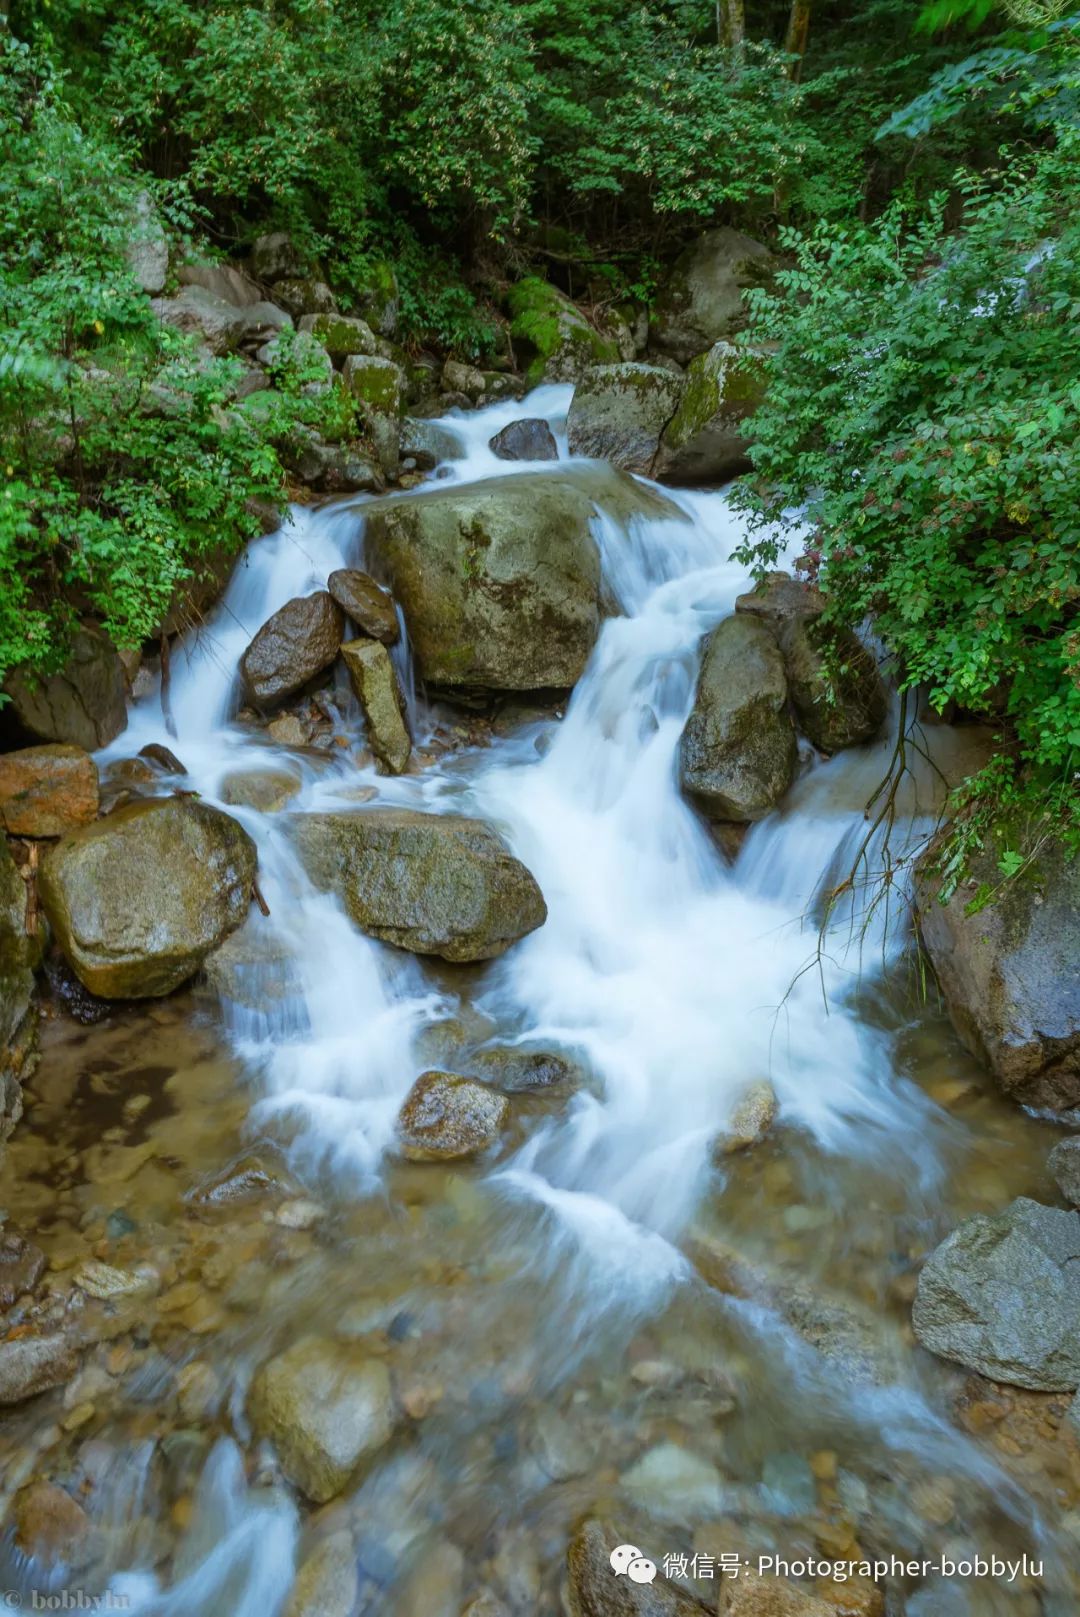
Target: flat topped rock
(431, 883)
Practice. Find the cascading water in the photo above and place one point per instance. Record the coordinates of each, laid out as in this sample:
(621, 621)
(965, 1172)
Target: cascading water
(677, 981)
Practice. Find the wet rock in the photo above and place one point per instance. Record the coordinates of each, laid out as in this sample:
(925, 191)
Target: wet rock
(105, 1281)
(431, 883)
(327, 1584)
(427, 443)
(139, 899)
(20, 956)
(325, 1409)
(705, 440)
(618, 413)
(341, 335)
(369, 606)
(162, 758)
(833, 681)
(1064, 1164)
(275, 256)
(68, 992)
(49, 1524)
(1001, 1295)
(22, 1265)
(288, 730)
(1008, 973)
(552, 338)
(375, 682)
(33, 1364)
(752, 1118)
(378, 386)
(528, 439)
(249, 1179)
(84, 705)
(595, 1591)
(299, 642)
(738, 750)
(264, 789)
(45, 791)
(518, 1070)
(447, 1116)
(499, 581)
(671, 1483)
(702, 299)
(434, 1587)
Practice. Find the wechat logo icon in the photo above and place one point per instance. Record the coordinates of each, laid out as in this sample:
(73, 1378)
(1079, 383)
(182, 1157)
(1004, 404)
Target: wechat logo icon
(627, 1560)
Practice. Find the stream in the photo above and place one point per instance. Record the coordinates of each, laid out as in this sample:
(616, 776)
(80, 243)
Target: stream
(610, 1317)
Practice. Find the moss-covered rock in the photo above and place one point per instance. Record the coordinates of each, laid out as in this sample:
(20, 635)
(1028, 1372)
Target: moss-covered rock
(702, 300)
(378, 386)
(378, 298)
(139, 899)
(833, 680)
(341, 335)
(705, 441)
(499, 581)
(619, 412)
(20, 956)
(552, 338)
(1009, 973)
(303, 295)
(430, 883)
(84, 704)
(737, 753)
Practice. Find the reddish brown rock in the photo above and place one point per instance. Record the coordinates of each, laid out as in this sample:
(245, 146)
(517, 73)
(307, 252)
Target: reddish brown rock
(46, 791)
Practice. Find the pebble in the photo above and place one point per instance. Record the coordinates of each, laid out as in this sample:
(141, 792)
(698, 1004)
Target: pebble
(299, 1214)
(78, 1417)
(671, 1483)
(102, 1281)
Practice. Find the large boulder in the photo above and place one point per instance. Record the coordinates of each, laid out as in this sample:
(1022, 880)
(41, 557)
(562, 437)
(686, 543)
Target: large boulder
(366, 603)
(702, 300)
(341, 335)
(20, 955)
(833, 681)
(552, 338)
(325, 1408)
(147, 246)
(705, 440)
(1001, 1295)
(432, 883)
(375, 682)
(738, 750)
(618, 413)
(204, 316)
(83, 705)
(224, 281)
(446, 1116)
(275, 256)
(294, 646)
(1009, 972)
(378, 386)
(139, 899)
(499, 580)
(378, 297)
(528, 439)
(45, 791)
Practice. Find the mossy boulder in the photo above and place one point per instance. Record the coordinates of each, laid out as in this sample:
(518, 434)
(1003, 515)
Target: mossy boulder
(84, 704)
(835, 688)
(1010, 973)
(702, 299)
(737, 753)
(326, 1407)
(298, 643)
(139, 899)
(341, 335)
(499, 580)
(553, 340)
(430, 883)
(20, 956)
(705, 441)
(303, 295)
(378, 386)
(378, 297)
(619, 412)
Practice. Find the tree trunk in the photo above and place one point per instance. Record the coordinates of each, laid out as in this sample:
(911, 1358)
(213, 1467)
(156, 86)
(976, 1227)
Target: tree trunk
(797, 31)
(731, 22)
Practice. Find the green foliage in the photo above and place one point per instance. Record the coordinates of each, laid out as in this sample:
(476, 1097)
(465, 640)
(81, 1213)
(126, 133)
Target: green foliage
(923, 415)
(118, 464)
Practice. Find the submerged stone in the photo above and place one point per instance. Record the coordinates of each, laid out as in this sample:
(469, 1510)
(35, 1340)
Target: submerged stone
(446, 1116)
(375, 682)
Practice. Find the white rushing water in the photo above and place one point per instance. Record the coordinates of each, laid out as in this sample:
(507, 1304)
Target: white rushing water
(678, 980)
